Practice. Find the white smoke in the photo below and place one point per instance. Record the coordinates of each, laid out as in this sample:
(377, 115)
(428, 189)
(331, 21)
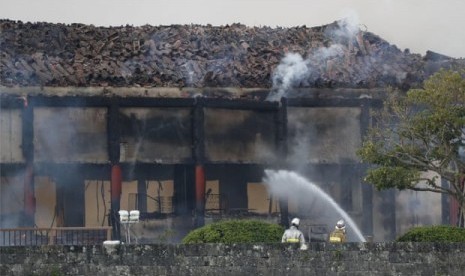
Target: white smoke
(292, 69)
(12, 201)
(326, 53)
(349, 26)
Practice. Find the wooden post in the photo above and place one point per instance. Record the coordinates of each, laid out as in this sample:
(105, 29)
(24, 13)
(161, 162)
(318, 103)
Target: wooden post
(28, 154)
(116, 174)
(281, 146)
(199, 157)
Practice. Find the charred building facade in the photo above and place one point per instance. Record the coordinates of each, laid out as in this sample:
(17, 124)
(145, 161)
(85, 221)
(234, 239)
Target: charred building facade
(180, 122)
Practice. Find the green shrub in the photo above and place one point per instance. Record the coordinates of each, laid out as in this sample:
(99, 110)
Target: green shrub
(236, 231)
(440, 233)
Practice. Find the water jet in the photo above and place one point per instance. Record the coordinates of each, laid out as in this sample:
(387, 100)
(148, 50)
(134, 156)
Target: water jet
(283, 183)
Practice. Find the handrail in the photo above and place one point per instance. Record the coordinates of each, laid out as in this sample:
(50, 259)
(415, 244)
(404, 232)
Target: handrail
(163, 204)
(55, 235)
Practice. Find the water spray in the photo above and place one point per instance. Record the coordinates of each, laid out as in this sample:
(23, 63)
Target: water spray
(282, 182)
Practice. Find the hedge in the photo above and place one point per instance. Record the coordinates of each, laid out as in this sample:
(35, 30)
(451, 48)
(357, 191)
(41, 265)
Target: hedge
(438, 233)
(236, 231)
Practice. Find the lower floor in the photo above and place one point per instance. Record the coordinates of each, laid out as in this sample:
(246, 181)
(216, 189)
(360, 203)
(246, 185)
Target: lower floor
(174, 199)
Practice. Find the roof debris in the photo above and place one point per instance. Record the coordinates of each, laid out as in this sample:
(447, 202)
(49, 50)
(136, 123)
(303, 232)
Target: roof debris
(46, 54)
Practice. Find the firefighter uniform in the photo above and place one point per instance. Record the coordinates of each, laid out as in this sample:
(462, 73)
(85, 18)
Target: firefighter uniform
(293, 234)
(339, 233)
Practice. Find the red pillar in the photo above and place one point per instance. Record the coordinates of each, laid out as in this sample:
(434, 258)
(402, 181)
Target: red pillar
(29, 198)
(115, 191)
(199, 196)
(199, 188)
(116, 187)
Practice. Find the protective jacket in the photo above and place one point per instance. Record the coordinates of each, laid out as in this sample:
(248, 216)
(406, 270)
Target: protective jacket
(338, 235)
(293, 235)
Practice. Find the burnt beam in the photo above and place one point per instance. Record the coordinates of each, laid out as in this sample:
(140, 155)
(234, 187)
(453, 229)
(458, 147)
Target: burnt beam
(198, 131)
(114, 139)
(198, 154)
(113, 131)
(132, 171)
(156, 102)
(316, 102)
(12, 101)
(281, 147)
(11, 169)
(70, 101)
(27, 146)
(251, 172)
(86, 170)
(281, 130)
(100, 171)
(240, 104)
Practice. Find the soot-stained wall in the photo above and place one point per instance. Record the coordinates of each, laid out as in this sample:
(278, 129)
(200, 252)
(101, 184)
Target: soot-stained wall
(240, 139)
(162, 135)
(70, 134)
(239, 135)
(10, 135)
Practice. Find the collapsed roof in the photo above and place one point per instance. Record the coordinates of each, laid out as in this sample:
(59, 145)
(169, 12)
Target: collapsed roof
(330, 56)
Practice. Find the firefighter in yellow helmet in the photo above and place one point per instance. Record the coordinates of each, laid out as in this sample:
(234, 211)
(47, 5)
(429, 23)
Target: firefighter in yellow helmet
(294, 235)
(339, 232)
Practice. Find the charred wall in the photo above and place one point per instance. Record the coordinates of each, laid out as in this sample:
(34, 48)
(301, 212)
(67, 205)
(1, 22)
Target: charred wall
(158, 142)
(71, 135)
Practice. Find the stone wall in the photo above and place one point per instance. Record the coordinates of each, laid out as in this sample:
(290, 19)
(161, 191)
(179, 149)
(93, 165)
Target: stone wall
(242, 259)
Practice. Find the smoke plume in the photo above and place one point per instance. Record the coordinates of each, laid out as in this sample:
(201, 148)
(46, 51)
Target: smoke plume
(344, 59)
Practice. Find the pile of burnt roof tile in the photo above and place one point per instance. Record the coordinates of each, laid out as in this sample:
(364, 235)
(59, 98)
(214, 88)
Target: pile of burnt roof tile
(334, 55)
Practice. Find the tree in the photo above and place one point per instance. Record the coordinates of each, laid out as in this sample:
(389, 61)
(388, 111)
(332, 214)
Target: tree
(420, 131)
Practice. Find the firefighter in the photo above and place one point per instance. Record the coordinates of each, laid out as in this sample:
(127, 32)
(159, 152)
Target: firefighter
(339, 233)
(294, 235)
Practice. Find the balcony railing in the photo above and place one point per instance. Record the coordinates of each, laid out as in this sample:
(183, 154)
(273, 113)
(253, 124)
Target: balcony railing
(54, 235)
(159, 204)
(215, 204)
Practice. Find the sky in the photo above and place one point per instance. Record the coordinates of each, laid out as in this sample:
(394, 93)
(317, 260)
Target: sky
(419, 25)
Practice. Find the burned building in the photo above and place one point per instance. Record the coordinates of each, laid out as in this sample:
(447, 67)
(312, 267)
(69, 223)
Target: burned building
(181, 121)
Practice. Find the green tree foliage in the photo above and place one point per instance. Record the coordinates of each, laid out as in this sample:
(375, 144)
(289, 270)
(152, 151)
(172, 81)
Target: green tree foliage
(441, 233)
(420, 131)
(236, 231)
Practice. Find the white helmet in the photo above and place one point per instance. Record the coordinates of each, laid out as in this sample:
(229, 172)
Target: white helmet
(340, 224)
(295, 221)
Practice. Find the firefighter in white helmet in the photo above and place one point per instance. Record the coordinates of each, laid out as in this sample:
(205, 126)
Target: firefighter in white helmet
(339, 232)
(294, 235)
